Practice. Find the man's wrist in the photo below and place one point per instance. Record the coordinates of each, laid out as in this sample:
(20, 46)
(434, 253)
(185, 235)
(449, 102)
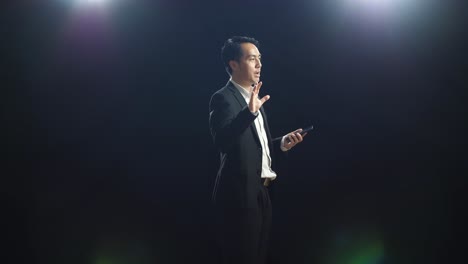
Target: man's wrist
(283, 144)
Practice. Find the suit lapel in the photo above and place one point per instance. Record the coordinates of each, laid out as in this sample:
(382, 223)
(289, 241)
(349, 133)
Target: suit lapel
(243, 104)
(267, 128)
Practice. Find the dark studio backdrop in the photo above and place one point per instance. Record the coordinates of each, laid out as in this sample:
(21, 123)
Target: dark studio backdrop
(108, 156)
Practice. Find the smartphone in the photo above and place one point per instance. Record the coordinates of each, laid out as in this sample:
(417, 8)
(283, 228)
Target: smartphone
(307, 129)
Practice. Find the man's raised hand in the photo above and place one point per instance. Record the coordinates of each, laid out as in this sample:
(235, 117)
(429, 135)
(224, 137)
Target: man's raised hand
(255, 103)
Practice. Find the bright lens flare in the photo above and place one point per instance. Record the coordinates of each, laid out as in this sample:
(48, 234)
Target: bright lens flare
(370, 2)
(380, 6)
(91, 3)
(381, 12)
(97, 2)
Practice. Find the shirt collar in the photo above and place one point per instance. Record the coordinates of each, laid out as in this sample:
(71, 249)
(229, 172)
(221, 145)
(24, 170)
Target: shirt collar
(245, 93)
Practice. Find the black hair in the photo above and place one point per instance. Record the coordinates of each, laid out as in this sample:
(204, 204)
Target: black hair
(232, 50)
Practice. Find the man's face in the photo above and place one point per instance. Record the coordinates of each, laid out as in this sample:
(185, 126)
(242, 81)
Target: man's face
(247, 69)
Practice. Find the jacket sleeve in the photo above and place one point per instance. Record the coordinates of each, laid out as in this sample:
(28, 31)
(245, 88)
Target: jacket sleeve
(226, 125)
(277, 146)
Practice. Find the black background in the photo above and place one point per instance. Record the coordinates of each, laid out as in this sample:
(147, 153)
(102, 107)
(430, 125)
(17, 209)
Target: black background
(109, 157)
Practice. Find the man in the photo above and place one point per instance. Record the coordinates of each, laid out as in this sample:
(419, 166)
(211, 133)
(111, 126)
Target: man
(240, 132)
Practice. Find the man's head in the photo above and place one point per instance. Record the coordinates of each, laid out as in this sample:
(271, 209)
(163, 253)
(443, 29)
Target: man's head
(242, 60)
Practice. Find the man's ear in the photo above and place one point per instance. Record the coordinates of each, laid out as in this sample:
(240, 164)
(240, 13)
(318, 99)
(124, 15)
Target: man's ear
(234, 65)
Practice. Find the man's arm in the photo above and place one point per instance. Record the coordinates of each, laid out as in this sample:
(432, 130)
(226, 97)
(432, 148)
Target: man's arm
(225, 124)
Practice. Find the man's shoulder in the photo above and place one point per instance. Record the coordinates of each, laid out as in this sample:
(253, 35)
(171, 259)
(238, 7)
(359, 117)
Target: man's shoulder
(224, 91)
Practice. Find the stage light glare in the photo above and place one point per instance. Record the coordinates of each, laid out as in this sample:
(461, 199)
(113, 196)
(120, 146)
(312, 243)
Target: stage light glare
(96, 1)
(370, 2)
(84, 3)
(382, 11)
(376, 5)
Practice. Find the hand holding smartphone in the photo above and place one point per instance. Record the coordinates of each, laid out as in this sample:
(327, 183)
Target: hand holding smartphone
(305, 130)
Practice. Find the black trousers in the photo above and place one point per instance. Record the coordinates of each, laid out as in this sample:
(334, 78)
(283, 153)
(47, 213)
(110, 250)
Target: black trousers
(243, 233)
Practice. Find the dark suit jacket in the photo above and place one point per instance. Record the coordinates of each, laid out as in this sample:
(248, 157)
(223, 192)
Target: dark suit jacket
(238, 181)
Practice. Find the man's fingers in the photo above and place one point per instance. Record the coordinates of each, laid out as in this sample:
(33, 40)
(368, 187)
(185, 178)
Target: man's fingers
(292, 139)
(299, 137)
(295, 137)
(254, 89)
(253, 94)
(264, 99)
(259, 85)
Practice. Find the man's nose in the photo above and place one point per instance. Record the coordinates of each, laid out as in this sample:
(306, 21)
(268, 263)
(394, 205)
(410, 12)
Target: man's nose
(259, 64)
